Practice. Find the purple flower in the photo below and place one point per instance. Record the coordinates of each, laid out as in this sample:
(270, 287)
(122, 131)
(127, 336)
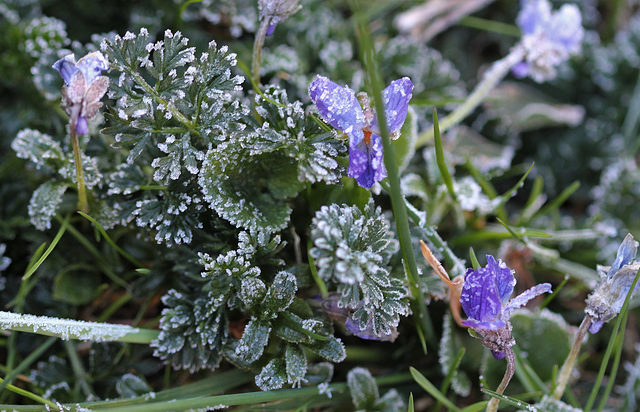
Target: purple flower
(607, 299)
(339, 107)
(485, 300)
(549, 38)
(84, 87)
(277, 11)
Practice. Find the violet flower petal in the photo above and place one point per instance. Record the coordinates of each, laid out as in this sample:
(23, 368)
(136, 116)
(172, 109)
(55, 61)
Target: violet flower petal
(396, 99)
(522, 299)
(565, 28)
(533, 14)
(626, 253)
(92, 65)
(337, 105)
(484, 325)
(505, 281)
(366, 161)
(479, 298)
(82, 127)
(66, 66)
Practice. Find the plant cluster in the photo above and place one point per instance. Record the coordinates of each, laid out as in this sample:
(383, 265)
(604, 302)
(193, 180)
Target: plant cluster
(207, 197)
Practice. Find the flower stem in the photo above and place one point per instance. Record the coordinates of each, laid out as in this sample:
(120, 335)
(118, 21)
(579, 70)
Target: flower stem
(508, 374)
(257, 49)
(83, 204)
(492, 77)
(567, 367)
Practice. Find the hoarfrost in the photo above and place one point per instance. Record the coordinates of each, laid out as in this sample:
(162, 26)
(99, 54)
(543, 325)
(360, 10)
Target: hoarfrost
(65, 328)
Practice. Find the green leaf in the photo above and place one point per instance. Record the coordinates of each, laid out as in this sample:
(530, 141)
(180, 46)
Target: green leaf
(45, 202)
(331, 349)
(273, 375)
(77, 286)
(296, 364)
(280, 294)
(253, 341)
(131, 386)
(363, 388)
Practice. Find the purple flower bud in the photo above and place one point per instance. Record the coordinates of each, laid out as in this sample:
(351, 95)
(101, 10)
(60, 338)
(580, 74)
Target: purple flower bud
(84, 87)
(339, 107)
(608, 297)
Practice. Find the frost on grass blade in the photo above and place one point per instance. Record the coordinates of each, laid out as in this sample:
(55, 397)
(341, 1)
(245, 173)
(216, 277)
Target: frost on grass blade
(65, 328)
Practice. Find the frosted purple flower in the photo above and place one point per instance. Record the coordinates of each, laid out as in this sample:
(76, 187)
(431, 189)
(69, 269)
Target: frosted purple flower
(84, 87)
(276, 11)
(485, 300)
(549, 38)
(339, 107)
(608, 297)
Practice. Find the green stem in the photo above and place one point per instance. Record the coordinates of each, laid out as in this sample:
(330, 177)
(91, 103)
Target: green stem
(257, 49)
(508, 374)
(81, 375)
(567, 367)
(492, 77)
(83, 204)
(26, 363)
(394, 189)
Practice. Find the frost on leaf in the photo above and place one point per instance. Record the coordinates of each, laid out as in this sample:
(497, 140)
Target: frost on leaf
(170, 102)
(250, 178)
(44, 204)
(192, 332)
(351, 250)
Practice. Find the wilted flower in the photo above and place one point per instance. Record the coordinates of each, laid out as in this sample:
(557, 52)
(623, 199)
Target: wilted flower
(277, 11)
(84, 87)
(608, 297)
(549, 38)
(339, 107)
(485, 300)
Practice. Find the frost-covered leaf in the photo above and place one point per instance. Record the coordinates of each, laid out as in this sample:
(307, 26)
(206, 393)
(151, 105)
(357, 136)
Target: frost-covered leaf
(131, 386)
(280, 294)
(351, 249)
(253, 341)
(363, 388)
(296, 364)
(168, 97)
(192, 333)
(273, 375)
(44, 204)
(172, 215)
(331, 349)
(40, 149)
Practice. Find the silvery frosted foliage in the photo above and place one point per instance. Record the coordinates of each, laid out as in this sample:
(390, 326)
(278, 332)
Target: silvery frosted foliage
(609, 295)
(351, 250)
(192, 331)
(5, 261)
(365, 395)
(171, 107)
(84, 87)
(168, 98)
(549, 38)
(240, 16)
(195, 325)
(485, 300)
(249, 179)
